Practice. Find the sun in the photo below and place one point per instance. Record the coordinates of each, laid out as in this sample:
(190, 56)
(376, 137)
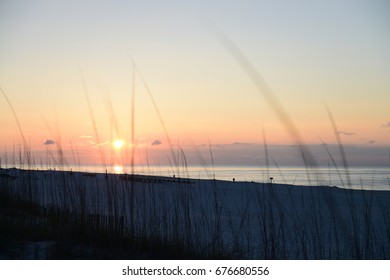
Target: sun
(118, 144)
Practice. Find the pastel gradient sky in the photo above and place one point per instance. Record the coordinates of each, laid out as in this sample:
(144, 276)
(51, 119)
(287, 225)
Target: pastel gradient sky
(313, 54)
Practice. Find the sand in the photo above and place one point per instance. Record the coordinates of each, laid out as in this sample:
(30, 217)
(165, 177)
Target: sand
(244, 220)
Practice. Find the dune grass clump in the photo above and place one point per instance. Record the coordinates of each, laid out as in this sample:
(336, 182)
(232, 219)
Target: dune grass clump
(188, 218)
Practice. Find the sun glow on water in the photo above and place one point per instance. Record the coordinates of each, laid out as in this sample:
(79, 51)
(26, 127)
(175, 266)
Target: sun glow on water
(118, 169)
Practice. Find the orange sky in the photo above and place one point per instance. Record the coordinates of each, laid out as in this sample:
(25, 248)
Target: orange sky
(314, 56)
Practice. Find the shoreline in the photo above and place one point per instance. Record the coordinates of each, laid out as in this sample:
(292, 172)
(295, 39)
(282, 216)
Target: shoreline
(196, 218)
(190, 180)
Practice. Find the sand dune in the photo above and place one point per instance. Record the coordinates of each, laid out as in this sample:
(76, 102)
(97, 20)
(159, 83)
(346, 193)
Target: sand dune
(239, 219)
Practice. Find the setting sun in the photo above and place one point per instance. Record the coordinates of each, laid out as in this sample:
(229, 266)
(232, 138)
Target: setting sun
(118, 144)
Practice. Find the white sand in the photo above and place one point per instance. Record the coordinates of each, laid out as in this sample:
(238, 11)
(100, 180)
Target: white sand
(250, 220)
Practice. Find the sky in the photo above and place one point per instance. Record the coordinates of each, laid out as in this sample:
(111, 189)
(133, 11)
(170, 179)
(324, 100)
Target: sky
(73, 70)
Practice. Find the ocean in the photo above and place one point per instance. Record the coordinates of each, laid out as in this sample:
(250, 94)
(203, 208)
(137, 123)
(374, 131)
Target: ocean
(370, 178)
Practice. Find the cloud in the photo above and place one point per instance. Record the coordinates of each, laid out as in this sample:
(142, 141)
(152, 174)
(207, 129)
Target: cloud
(100, 144)
(241, 143)
(156, 143)
(218, 146)
(346, 133)
(386, 125)
(49, 142)
(371, 142)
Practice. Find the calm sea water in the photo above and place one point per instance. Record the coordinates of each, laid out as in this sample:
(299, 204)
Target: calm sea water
(356, 177)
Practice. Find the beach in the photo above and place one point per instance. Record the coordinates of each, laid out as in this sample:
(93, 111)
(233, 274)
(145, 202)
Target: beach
(184, 218)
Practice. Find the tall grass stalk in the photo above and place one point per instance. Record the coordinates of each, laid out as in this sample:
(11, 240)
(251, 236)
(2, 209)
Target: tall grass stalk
(157, 110)
(93, 120)
(26, 146)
